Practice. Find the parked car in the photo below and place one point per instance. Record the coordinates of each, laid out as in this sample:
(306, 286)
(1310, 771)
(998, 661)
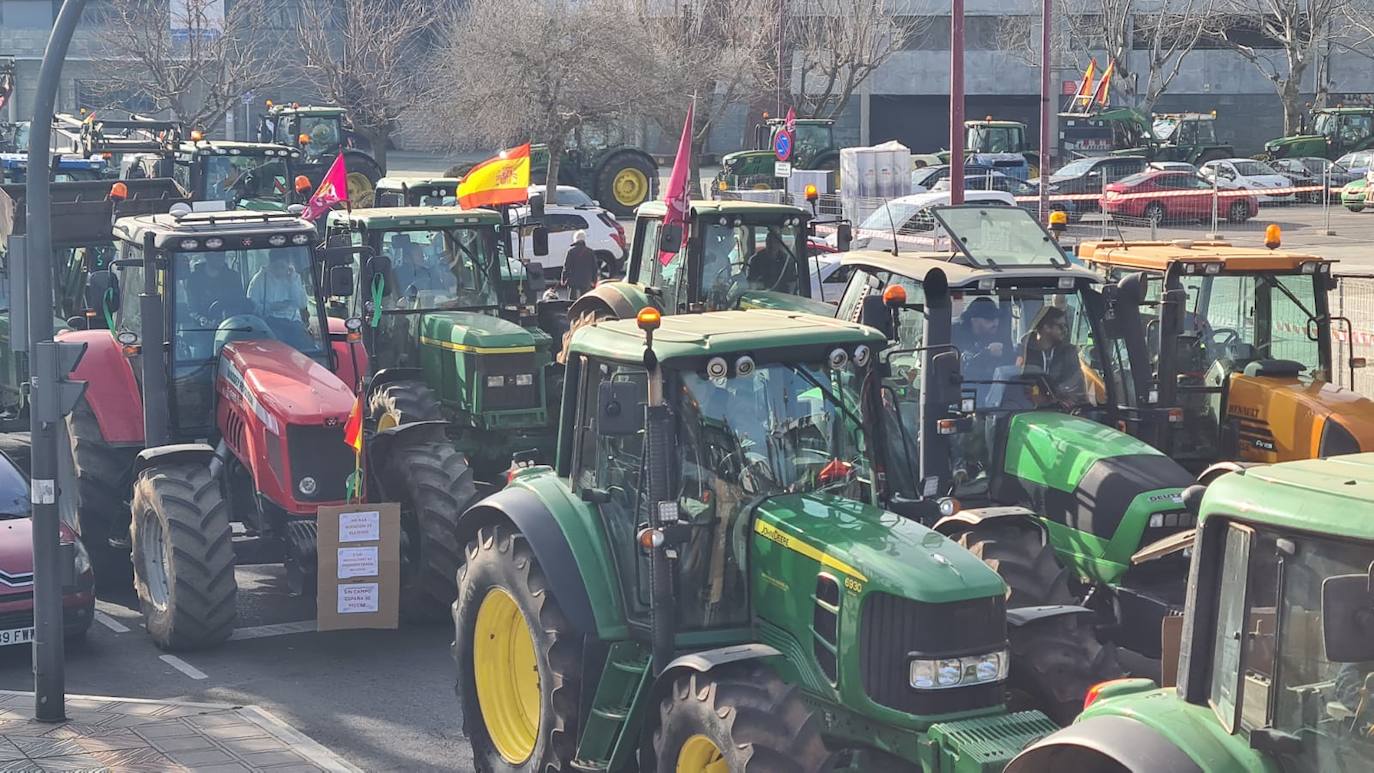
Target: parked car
(1308, 173)
(16, 566)
(565, 195)
(828, 277)
(925, 178)
(1169, 196)
(1028, 195)
(1250, 175)
(1357, 163)
(1089, 175)
(910, 219)
(605, 235)
(1173, 166)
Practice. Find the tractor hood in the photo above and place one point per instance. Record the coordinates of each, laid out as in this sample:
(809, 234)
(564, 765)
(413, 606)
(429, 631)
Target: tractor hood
(771, 299)
(281, 385)
(866, 547)
(1296, 146)
(474, 332)
(729, 161)
(1292, 418)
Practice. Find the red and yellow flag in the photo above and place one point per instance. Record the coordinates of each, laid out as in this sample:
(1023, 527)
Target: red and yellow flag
(1103, 94)
(1084, 94)
(353, 429)
(498, 181)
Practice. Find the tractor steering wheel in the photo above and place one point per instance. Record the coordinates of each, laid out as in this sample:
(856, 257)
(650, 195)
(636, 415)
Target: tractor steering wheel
(789, 269)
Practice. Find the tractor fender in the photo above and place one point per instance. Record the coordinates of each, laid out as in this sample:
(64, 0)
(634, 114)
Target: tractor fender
(617, 150)
(530, 515)
(1021, 616)
(708, 659)
(967, 519)
(622, 299)
(1209, 475)
(380, 444)
(176, 453)
(391, 375)
(111, 389)
(1135, 746)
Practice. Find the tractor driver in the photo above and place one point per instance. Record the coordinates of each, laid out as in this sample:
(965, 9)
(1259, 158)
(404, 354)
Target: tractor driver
(977, 337)
(417, 273)
(279, 296)
(770, 266)
(214, 291)
(1046, 350)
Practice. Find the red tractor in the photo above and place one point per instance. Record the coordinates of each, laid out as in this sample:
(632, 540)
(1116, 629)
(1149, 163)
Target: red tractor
(221, 396)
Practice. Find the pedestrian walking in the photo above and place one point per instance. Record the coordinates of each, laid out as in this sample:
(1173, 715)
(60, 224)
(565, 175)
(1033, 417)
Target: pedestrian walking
(579, 267)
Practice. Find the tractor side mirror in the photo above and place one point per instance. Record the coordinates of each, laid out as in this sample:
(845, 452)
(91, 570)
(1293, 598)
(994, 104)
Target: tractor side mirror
(670, 238)
(1348, 618)
(619, 408)
(541, 241)
(102, 291)
(341, 281)
(877, 315)
(945, 379)
(535, 278)
(844, 236)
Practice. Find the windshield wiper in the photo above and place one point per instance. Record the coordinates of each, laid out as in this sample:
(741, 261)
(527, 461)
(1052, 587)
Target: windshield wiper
(825, 391)
(1284, 289)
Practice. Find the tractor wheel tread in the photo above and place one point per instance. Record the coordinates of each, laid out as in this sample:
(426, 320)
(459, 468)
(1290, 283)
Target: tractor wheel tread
(1056, 660)
(758, 723)
(104, 477)
(1030, 570)
(405, 401)
(500, 557)
(435, 486)
(202, 590)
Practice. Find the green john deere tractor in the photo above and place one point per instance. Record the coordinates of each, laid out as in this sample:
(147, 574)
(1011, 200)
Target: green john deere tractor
(452, 333)
(813, 147)
(738, 254)
(1276, 646)
(1125, 131)
(704, 580)
(1335, 132)
(1046, 463)
(320, 133)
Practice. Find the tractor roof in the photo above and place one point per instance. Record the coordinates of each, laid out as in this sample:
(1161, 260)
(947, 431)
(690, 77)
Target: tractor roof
(397, 218)
(707, 207)
(415, 183)
(188, 232)
(234, 148)
(721, 332)
(308, 109)
(1315, 495)
(996, 122)
(1365, 110)
(1156, 256)
(959, 274)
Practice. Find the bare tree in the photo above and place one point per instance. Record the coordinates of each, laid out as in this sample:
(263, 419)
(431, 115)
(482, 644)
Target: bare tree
(194, 59)
(369, 57)
(1157, 36)
(516, 70)
(1280, 38)
(832, 46)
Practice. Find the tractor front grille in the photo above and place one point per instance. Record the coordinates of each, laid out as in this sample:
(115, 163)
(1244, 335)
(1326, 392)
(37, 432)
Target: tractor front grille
(893, 630)
(510, 394)
(320, 453)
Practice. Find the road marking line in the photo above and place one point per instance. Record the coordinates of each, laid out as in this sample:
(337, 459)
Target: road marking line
(277, 629)
(111, 623)
(183, 666)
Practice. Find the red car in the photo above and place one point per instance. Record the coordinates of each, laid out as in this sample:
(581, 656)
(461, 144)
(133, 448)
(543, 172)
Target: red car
(1160, 195)
(16, 567)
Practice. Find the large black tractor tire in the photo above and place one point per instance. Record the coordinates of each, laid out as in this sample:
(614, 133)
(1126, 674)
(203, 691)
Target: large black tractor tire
(434, 485)
(518, 658)
(104, 477)
(401, 402)
(363, 174)
(623, 182)
(1053, 663)
(183, 557)
(589, 317)
(1032, 573)
(740, 719)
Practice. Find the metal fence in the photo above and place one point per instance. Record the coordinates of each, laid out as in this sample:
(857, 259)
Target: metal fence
(1353, 299)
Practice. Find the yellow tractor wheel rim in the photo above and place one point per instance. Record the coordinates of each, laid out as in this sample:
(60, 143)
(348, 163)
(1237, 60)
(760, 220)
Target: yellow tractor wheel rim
(700, 755)
(360, 190)
(630, 187)
(386, 421)
(507, 676)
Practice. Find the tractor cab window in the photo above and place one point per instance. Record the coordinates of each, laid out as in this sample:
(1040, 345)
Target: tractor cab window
(651, 271)
(738, 257)
(994, 139)
(812, 139)
(325, 134)
(1271, 664)
(999, 236)
(779, 429)
(239, 178)
(1237, 319)
(440, 269)
(1356, 127)
(1326, 124)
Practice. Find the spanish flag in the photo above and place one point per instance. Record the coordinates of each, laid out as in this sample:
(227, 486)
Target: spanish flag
(497, 181)
(353, 436)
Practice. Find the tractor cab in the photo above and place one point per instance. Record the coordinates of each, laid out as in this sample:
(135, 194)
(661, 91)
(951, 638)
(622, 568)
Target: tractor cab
(428, 192)
(1334, 131)
(1185, 137)
(1274, 653)
(320, 134)
(813, 147)
(1000, 145)
(444, 314)
(242, 175)
(1238, 345)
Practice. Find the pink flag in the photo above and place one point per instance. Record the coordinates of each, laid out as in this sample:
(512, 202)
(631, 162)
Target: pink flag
(332, 190)
(790, 122)
(679, 194)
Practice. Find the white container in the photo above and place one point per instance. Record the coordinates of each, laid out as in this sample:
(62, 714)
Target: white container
(872, 175)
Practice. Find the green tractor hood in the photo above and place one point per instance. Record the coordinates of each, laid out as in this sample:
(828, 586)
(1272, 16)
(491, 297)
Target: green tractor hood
(1296, 146)
(1102, 494)
(477, 333)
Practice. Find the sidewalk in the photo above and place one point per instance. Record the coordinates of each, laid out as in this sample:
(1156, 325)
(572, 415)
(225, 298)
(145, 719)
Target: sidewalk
(126, 734)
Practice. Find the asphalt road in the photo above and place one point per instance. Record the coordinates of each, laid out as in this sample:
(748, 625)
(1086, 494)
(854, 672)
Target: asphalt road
(383, 700)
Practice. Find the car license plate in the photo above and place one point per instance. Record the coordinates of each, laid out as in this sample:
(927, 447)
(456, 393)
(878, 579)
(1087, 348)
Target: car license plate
(16, 636)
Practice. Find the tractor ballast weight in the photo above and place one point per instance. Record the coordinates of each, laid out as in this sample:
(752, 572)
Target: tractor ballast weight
(652, 619)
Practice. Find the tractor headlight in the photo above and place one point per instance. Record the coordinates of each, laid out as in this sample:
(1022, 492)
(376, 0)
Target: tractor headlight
(524, 379)
(495, 381)
(307, 486)
(945, 673)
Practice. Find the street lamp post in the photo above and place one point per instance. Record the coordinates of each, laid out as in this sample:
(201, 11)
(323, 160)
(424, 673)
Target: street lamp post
(1045, 99)
(956, 103)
